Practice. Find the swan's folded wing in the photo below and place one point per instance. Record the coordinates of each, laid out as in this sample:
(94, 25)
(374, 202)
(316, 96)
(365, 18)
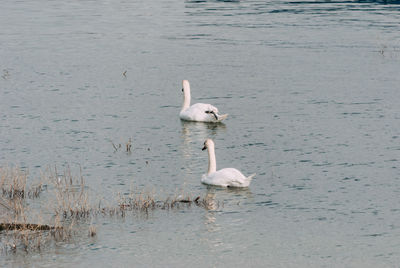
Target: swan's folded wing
(235, 183)
(214, 109)
(241, 182)
(219, 117)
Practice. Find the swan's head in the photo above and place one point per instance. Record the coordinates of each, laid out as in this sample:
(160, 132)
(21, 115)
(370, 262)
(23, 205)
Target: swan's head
(185, 85)
(208, 144)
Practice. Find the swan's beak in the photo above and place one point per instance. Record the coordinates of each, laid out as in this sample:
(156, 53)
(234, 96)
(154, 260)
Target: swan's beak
(204, 148)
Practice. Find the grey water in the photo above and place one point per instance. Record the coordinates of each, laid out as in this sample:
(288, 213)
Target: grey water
(312, 91)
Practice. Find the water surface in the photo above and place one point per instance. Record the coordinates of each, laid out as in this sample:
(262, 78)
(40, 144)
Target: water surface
(312, 92)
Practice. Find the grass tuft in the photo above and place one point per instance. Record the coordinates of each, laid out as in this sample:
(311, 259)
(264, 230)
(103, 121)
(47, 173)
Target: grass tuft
(25, 224)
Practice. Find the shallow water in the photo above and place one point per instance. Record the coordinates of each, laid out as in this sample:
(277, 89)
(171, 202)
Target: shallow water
(312, 92)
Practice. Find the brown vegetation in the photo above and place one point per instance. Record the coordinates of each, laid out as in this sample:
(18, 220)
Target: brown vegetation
(24, 226)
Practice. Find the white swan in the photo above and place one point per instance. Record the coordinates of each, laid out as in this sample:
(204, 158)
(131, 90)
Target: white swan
(200, 111)
(227, 177)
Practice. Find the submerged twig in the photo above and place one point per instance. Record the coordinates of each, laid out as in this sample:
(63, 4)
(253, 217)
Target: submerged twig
(129, 145)
(115, 147)
(26, 226)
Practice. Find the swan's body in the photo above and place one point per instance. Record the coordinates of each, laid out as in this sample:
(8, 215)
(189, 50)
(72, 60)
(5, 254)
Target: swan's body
(200, 112)
(227, 177)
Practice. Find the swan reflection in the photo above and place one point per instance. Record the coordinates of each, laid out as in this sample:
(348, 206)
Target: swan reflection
(228, 195)
(221, 200)
(200, 131)
(193, 135)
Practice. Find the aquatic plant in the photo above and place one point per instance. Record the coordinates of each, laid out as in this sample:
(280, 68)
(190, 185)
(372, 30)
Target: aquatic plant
(21, 226)
(92, 230)
(13, 184)
(25, 227)
(128, 146)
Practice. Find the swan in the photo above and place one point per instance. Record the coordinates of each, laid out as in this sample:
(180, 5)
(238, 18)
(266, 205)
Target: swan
(200, 111)
(227, 177)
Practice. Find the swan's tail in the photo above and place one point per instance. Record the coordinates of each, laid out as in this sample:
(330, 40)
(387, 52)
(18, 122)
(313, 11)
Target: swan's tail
(221, 117)
(249, 178)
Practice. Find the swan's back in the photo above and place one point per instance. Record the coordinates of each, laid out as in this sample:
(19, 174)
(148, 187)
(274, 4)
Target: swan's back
(197, 112)
(227, 177)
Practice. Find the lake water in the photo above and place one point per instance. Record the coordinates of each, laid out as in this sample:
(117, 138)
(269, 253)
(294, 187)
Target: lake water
(312, 91)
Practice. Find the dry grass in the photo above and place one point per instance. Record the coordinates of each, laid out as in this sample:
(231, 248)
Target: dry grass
(146, 202)
(21, 225)
(72, 199)
(25, 226)
(92, 230)
(13, 183)
(128, 146)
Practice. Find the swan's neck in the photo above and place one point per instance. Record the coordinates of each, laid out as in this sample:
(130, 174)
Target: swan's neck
(212, 163)
(186, 100)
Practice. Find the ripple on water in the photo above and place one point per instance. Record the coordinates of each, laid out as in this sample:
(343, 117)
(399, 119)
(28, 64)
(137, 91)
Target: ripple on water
(268, 203)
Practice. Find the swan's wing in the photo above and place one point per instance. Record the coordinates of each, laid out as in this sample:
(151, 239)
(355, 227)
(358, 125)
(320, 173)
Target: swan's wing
(236, 178)
(205, 107)
(227, 177)
(219, 117)
(232, 177)
(202, 112)
(236, 183)
(212, 110)
(195, 113)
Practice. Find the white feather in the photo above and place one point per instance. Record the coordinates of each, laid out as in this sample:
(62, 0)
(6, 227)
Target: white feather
(227, 177)
(200, 112)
